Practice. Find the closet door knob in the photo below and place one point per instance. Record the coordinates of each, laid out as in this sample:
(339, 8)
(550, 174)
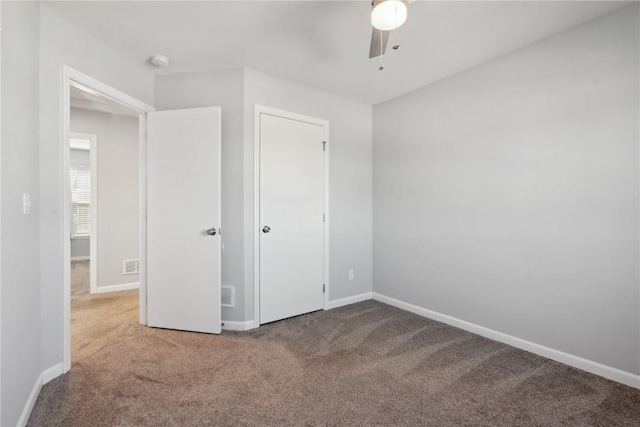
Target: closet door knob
(211, 232)
(266, 229)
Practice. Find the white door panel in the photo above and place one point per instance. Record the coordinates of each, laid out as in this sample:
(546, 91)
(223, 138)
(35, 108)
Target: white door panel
(183, 201)
(291, 205)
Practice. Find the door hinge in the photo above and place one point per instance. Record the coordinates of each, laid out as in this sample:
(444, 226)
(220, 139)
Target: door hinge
(324, 145)
(323, 289)
(322, 217)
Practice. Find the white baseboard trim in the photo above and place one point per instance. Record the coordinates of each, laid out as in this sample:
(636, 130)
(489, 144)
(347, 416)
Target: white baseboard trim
(229, 325)
(52, 373)
(116, 288)
(349, 300)
(31, 401)
(44, 377)
(330, 305)
(80, 258)
(596, 368)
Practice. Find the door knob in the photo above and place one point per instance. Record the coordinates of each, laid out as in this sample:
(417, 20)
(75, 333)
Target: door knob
(266, 229)
(211, 232)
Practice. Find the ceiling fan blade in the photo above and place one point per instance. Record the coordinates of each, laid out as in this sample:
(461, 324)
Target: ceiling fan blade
(379, 41)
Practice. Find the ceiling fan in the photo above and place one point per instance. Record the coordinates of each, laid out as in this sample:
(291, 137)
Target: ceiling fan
(386, 15)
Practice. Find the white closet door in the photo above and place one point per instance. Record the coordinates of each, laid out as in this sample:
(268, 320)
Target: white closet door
(291, 217)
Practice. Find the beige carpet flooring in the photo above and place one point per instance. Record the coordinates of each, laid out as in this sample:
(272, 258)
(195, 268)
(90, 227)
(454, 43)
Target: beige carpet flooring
(367, 364)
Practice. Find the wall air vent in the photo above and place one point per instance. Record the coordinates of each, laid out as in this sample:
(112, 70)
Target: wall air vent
(131, 266)
(228, 296)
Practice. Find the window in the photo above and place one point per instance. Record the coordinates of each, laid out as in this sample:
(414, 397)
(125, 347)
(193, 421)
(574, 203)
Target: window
(81, 200)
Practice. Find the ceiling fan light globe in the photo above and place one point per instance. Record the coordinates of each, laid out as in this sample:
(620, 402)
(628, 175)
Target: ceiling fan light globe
(389, 15)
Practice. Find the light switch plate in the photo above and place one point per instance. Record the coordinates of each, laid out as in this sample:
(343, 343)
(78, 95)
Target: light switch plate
(26, 203)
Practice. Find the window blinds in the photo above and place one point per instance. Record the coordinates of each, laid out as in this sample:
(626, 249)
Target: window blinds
(81, 199)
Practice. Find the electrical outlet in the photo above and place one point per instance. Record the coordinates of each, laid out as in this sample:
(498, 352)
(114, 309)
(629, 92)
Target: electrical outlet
(351, 275)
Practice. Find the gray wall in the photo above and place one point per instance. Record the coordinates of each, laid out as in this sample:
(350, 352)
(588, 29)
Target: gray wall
(62, 43)
(507, 195)
(118, 193)
(236, 91)
(79, 157)
(20, 233)
(80, 246)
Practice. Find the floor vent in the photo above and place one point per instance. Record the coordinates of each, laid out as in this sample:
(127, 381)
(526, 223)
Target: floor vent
(131, 266)
(228, 296)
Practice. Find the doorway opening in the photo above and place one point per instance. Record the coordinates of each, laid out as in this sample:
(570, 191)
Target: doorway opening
(104, 168)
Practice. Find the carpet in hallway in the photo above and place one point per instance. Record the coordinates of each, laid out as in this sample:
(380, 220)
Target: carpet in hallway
(80, 278)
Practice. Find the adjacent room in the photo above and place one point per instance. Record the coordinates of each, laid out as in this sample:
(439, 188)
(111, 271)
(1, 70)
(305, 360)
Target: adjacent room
(104, 193)
(388, 212)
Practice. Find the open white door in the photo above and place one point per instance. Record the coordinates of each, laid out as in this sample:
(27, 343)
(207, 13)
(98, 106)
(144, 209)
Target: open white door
(183, 213)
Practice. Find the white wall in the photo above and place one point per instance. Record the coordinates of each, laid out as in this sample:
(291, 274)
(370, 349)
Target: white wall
(350, 187)
(20, 233)
(118, 195)
(236, 91)
(507, 195)
(223, 88)
(80, 246)
(62, 43)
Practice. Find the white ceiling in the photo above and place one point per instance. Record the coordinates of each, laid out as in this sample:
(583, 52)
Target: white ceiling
(325, 44)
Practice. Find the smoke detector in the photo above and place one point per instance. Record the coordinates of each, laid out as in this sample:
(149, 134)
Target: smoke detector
(159, 61)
